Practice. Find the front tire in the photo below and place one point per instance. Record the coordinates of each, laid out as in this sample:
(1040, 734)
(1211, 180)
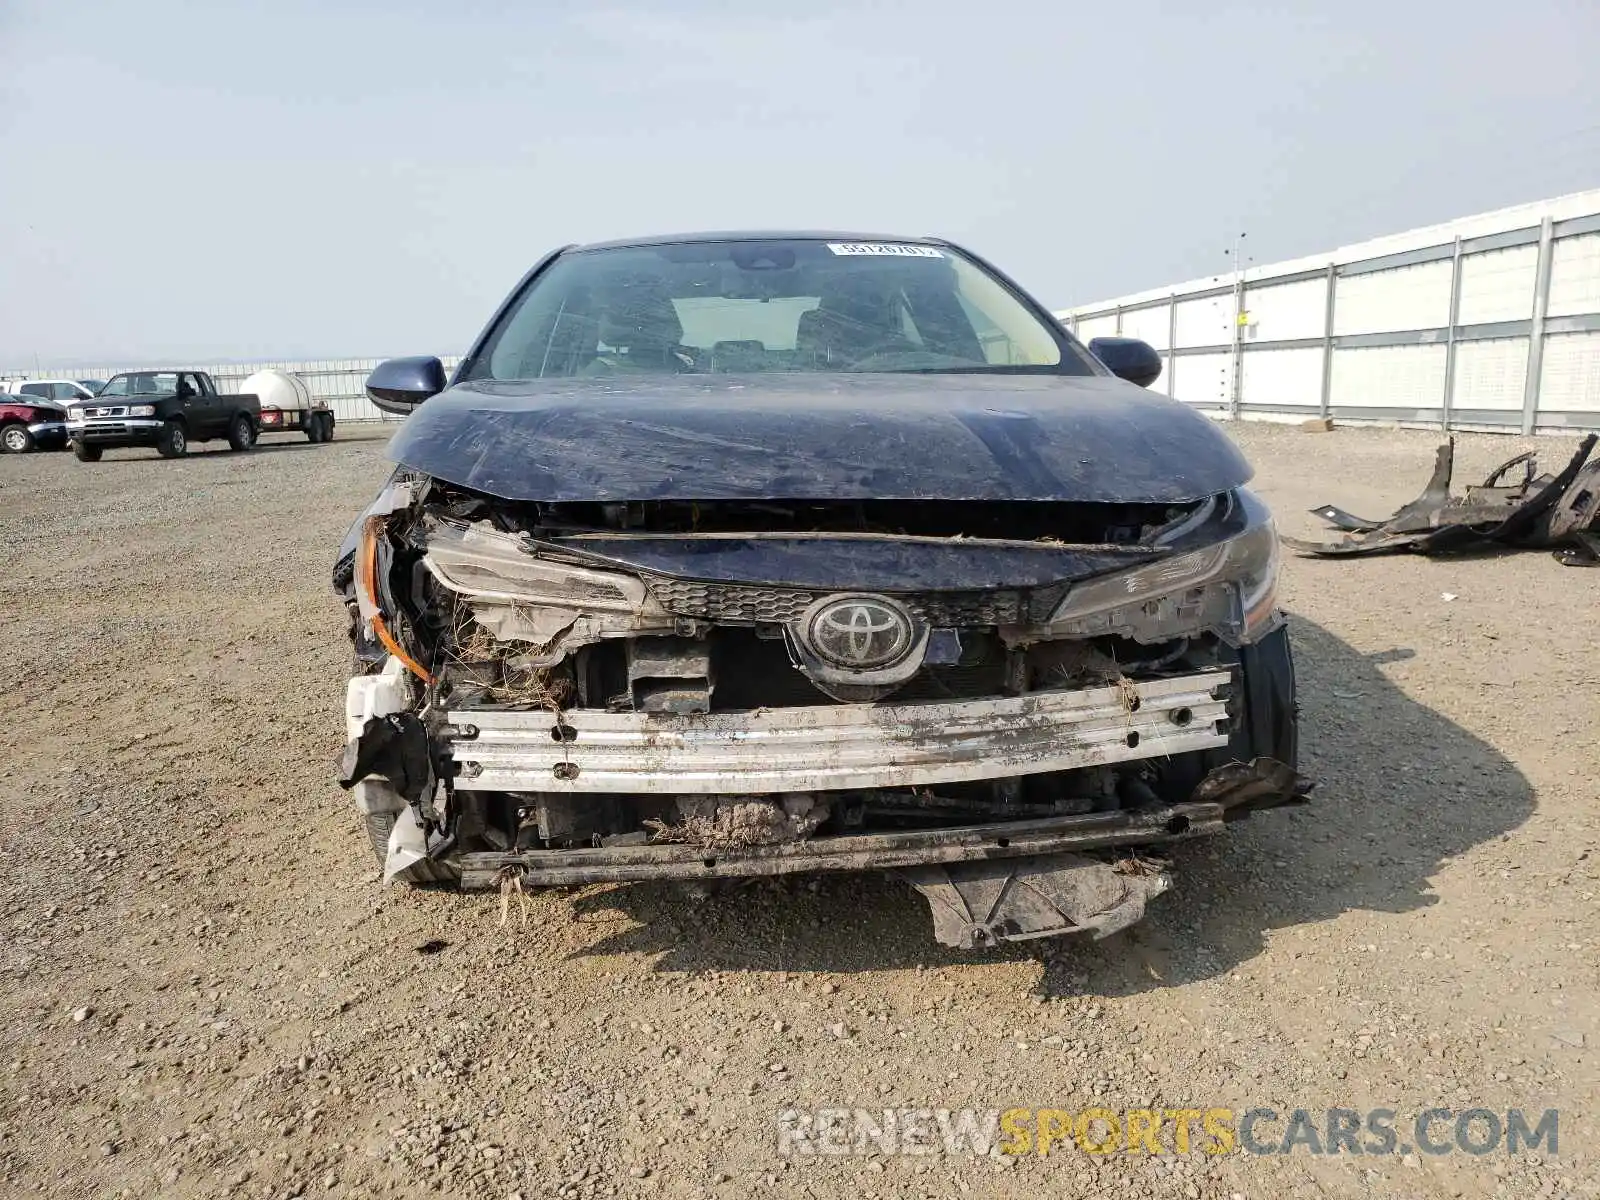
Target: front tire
(17, 439)
(87, 453)
(242, 433)
(174, 441)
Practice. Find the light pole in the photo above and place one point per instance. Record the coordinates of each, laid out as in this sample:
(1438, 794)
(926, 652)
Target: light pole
(1236, 392)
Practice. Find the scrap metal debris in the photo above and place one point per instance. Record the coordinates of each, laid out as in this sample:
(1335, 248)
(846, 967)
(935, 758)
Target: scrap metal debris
(1559, 512)
(977, 905)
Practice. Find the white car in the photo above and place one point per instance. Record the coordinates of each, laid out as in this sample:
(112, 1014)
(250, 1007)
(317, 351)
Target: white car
(62, 391)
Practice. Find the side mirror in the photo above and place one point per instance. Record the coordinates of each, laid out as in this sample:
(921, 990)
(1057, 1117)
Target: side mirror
(400, 384)
(1128, 358)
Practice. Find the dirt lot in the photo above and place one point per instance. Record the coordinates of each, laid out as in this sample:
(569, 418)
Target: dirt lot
(206, 991)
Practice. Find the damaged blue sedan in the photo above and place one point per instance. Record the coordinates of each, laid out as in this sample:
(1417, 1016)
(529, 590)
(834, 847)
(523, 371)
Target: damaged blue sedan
(730, 555)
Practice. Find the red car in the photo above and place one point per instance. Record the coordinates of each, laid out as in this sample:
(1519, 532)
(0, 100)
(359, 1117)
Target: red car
(29, 423)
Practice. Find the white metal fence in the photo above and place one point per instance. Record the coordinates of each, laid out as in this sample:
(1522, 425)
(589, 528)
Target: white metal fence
(1490, 322)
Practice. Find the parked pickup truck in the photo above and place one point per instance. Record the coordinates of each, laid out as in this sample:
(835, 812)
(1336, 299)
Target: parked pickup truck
(163, 409)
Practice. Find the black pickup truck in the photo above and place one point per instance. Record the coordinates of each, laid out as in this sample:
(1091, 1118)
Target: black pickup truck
(163, 409)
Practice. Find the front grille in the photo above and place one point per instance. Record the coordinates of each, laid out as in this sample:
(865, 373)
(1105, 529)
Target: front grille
(742, 603)
(729, 602)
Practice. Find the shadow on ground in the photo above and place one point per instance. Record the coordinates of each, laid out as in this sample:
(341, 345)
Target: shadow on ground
(1377, 830)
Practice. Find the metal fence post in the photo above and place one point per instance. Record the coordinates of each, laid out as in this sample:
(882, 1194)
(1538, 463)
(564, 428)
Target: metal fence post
(1541, 301)
(1327, 343)
(1172, 345)
(1450, 334)
(1236, 396)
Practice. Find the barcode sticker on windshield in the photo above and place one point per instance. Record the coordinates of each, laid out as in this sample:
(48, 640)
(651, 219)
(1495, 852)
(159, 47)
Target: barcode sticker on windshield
(887, 249)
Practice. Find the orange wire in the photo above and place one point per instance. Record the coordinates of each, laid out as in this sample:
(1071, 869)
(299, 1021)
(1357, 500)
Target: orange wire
(369, 578)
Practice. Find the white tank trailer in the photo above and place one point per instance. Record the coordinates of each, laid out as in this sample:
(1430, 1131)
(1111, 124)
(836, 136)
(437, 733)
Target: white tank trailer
(287, 404)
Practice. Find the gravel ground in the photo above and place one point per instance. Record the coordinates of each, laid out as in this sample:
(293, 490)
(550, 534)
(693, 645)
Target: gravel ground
(206, 991)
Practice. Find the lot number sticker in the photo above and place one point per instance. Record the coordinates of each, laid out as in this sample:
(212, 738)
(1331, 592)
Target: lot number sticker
(885, 249)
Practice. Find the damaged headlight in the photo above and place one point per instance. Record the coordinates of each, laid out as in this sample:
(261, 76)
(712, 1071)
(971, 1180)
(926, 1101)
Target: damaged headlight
(487, 564)
(1241, 569)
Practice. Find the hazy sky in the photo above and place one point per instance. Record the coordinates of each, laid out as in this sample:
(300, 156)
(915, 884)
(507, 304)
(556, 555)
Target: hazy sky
(328, 178)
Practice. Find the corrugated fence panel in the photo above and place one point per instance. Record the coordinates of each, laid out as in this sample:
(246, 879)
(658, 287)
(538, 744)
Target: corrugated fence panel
(1277, 378)
(1575, 276)
(1204, 380)
(1093, 327)
(1149, 324)
(1206, 322)
(1571, 374)
(1286, 311)
(1163, 383)
(1406, 377)
(1490, 374)
(1390, 301)
(1498, 285)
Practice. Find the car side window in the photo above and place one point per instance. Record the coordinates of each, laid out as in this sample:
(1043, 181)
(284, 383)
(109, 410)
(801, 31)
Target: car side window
(42, 390)
(66, 392)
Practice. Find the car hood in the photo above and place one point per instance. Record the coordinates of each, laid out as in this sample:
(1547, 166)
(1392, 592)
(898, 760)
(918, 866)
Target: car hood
(820, 436)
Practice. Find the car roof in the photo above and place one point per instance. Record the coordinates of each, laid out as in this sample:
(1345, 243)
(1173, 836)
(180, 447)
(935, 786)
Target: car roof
(766, 235)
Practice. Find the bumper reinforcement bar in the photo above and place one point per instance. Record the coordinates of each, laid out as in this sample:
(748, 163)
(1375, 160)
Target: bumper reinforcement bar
(836, 746)
(855, 852)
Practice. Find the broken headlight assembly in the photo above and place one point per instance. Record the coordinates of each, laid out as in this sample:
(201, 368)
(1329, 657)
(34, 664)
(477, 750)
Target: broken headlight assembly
(489, 565)
(1229, 586)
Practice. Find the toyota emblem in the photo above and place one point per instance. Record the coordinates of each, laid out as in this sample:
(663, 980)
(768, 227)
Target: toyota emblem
(861, 632)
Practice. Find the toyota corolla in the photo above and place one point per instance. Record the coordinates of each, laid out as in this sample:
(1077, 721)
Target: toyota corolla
(735, 555)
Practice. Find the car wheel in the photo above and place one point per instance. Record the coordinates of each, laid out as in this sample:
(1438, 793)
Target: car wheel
(174, 441)
(87, 453)
(242, 435)
(17, 439)
(379, 827)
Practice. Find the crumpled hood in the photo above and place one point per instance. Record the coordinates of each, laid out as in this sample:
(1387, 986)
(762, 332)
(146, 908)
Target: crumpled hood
(820, 437)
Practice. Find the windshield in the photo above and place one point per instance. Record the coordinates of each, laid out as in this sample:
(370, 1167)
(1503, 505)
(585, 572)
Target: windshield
(145, 383)
(787, 305)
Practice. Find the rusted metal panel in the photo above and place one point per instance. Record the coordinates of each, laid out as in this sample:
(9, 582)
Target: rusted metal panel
(838, 745)
(876, 852)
